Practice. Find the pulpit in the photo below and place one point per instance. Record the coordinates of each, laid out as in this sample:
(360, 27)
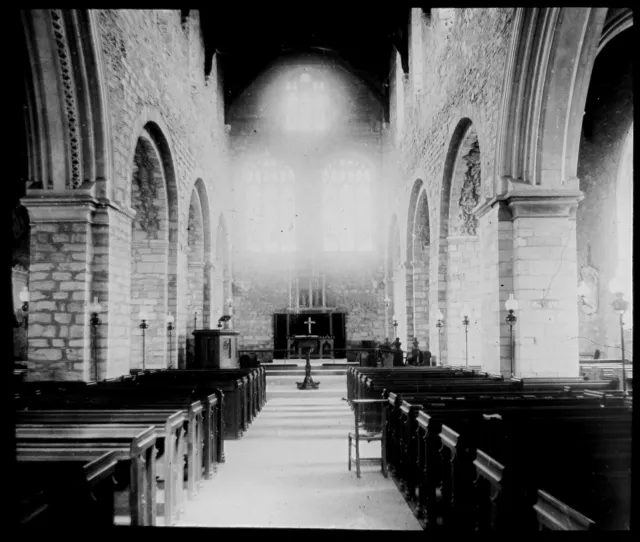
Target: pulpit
(216, 349)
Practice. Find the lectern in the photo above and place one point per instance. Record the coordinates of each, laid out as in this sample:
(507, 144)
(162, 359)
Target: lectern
(216, 349)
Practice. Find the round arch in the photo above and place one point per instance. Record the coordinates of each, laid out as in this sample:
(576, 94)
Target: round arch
(459, 255)
(418, 265)
(154, 243)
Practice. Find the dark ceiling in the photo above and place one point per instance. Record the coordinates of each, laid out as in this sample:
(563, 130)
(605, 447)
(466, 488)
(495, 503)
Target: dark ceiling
(248, 38)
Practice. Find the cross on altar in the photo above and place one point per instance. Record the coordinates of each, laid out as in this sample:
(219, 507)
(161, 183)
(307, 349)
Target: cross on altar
(309, 322)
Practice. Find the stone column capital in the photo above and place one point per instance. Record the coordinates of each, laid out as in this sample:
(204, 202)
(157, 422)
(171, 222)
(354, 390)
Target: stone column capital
(523, 200)
(60, 205)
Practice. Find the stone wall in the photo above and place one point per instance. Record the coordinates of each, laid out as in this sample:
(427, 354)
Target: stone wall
(155, 84)
(261, 287)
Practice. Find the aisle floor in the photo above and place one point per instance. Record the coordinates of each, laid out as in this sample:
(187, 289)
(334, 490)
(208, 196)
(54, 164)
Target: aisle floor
(290, 470)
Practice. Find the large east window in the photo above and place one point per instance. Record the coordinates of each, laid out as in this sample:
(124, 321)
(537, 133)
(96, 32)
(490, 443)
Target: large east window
(347, 206)
(306, 103)
(270, 204)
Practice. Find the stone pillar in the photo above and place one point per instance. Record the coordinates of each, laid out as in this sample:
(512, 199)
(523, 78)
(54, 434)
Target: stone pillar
(545, 282)
(410, 307)
(421, 302)
(195, 277)
(496, 242)
(209, 321)
(60, 284)
(112, 286)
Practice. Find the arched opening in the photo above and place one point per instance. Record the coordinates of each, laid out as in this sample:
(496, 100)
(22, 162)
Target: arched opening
(604, 218)
(459, 253)
(153, 252)
(208, 317)
(195, 273)
(418, 248)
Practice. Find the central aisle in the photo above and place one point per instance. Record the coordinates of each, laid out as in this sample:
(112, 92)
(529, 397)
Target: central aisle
(290, 469)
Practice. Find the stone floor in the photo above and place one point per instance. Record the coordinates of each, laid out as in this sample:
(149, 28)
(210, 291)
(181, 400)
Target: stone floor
(290, 470)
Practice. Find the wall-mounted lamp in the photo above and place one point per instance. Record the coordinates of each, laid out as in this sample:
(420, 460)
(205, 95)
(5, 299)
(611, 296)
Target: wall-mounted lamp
(95, 309)
(24, 310)
(24, 297)
(583, 292)
(170, 321)
(440, 325)
(620, 306)
(465, 322)
(395, 329)
(512, 306)
(143, 326)
(387, 302)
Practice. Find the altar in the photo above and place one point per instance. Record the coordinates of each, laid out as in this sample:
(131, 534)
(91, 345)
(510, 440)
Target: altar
(321, 346)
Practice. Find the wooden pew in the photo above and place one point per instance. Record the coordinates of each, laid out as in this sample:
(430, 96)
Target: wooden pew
(87, 443)
(169, 427)
(402, 430)
(458, 414)
(554, 515)
(133, 399)
(53, 487)
(583, 460)
(240, 402)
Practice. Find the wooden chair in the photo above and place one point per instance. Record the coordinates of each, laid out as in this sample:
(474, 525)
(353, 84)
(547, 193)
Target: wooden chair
(370, 425)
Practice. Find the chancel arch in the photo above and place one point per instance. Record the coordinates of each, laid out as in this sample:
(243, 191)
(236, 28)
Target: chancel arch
(348, 185)
(418, 268)
(459, 251)
(154, 234)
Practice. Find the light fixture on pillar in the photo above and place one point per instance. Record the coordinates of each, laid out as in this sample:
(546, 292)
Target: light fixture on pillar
(439, 325)
(620, 306)
(170, 321)
(229, 304)
(387, 302)
(95, 309)
(465, 322)
(395, 329)
(512, 306)
(583, 292)
(143, 326)
(24, 297)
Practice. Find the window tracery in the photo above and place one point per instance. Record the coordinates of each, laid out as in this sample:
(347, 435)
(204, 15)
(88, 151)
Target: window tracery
(347, 206)
(270, 204)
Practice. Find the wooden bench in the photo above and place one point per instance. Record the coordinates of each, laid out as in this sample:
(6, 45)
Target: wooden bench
(51, 487)
(459, 415)
(131, 399)
(169, 427)
(402, 429)
(245, 395)
(585, 464)
(87, 443)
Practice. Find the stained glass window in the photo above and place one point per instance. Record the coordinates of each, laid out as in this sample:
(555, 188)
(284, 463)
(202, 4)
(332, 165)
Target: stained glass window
(270, 205)
(306, 104)
(347, 206)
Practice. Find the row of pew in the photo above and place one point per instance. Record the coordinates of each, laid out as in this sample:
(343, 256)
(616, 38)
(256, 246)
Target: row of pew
(107, 447)
(475, 452)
